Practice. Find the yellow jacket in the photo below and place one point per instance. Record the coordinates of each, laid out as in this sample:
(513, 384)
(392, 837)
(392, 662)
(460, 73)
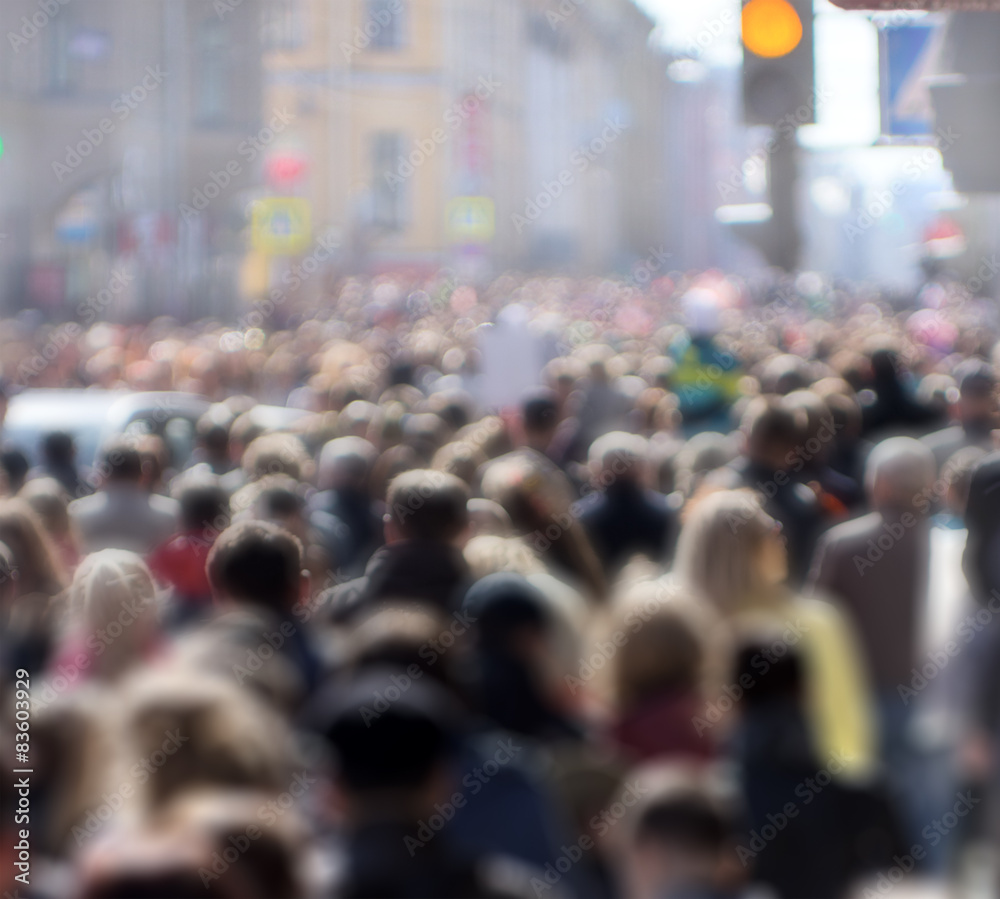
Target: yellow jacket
(840, 710)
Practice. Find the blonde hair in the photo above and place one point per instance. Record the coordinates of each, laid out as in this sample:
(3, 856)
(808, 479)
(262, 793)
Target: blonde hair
(719, 545)
(672, 642)
(79, 733)
(110, 585)
(487, 554)
(219, 735)
(277, 454)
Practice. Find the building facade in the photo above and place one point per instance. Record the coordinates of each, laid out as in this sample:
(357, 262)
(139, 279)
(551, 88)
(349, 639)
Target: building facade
(190, 151)
(486, 134)
(118, 118)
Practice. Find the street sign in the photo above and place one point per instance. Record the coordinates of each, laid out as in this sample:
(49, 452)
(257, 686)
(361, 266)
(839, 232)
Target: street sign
(281, 226)
(471, 219)
(906, 54)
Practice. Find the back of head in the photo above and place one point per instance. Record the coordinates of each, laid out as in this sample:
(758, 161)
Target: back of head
(279, 498)
(488, 518)
(701, 454)
(275, 454)
(213, 431)
(58, 448)
(718, 546)
(106, 582)
(504, 604)
(818, 418)
(685, 817)
(397, 749)
(428, 505)
(771, 427)
(530, 488)
(668, 653)
(256, 562)
(113, 593)
(683, 833)
(15, 467)
(617, 456)
(976, 379)
(399, 637)
(899, 474)
(121, 462)
(784, 374)
(245, 429)
(345, 463)
(459, 458)
(209, 731)
(540, 411)
(204, 504)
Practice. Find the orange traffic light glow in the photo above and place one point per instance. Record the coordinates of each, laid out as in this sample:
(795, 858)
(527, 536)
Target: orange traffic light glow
(771, 28)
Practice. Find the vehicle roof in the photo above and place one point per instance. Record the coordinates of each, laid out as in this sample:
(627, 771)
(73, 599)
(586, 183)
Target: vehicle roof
(91, 415)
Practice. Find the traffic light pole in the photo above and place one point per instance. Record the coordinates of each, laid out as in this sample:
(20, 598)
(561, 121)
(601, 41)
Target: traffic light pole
(778, 238)
(785, 234)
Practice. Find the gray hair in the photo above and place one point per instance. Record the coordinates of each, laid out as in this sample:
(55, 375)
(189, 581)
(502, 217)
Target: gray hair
(615, 445)
(345, 461)
(901, 469)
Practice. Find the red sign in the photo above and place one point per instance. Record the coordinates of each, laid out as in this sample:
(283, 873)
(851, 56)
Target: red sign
(284, 169)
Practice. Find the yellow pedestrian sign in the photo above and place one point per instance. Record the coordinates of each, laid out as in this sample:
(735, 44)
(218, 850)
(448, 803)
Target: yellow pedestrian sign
(281, 226)
(471, 219)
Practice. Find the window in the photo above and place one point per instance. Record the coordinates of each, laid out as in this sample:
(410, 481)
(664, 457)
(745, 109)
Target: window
(61, 71)
(212, 85)
(284, 24)
(389, 186)
(385, 24)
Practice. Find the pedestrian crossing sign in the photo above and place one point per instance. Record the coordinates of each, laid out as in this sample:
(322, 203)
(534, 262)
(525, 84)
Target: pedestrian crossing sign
(281, 226)
(471, 219)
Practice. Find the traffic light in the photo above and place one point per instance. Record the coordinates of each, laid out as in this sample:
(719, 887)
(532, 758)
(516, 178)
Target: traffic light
(778, 62)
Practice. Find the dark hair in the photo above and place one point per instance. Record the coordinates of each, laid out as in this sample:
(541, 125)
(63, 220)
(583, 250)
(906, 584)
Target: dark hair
(398, 748)
(540, 410)
(178, 882)
(687, 819)
(769, 423)
(202, 505)
(428, 505)
(503, 604)
(280, 501)
(256, 562)
(785, 679)
(16, 464)
(213, 433)
(975, 378)
(397, 637)
(58, 448)
(121, 460)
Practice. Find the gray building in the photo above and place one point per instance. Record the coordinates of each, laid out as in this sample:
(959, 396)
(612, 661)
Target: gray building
(114, 115)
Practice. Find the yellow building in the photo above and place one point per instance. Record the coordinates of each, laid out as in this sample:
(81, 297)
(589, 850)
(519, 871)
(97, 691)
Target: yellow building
(494, 133)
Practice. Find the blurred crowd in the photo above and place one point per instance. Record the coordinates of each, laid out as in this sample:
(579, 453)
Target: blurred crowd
(682, 589)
